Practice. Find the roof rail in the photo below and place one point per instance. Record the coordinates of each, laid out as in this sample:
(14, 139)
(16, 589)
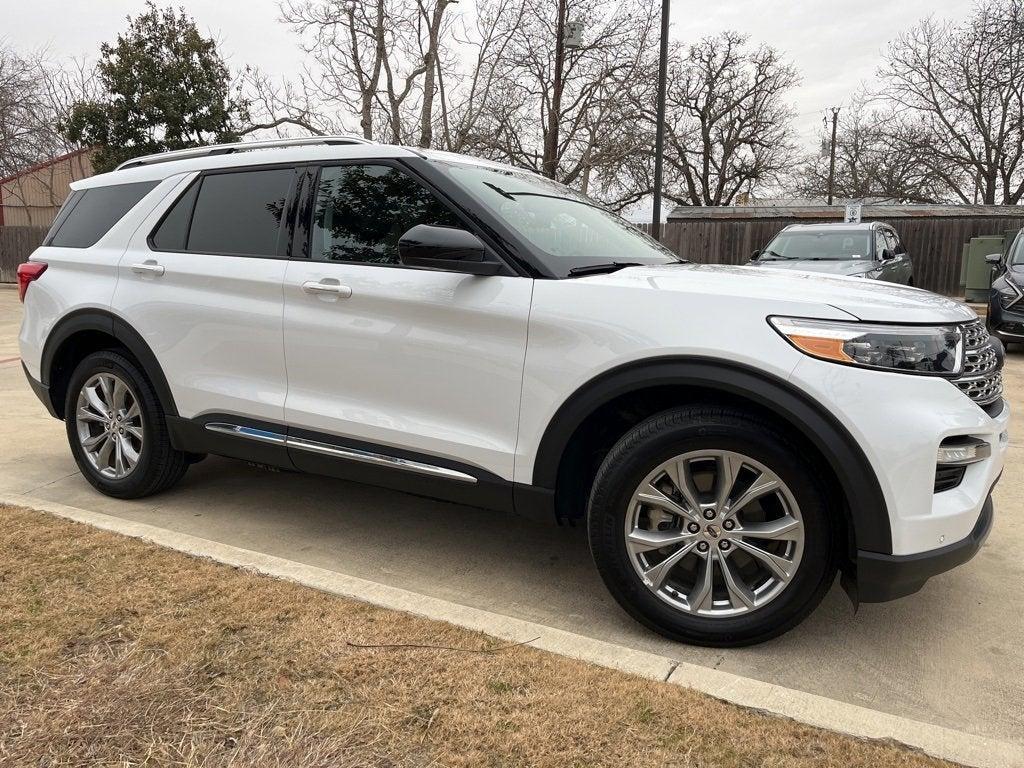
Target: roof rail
(239, 146)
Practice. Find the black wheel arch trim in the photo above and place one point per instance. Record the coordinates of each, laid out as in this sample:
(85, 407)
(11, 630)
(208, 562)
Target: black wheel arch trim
(107, 323)
(865, 500)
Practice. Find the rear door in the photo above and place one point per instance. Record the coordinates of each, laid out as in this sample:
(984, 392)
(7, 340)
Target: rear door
(201, 282)
(396, 361)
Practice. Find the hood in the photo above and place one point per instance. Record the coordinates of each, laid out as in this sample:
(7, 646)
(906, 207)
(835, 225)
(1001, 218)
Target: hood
(870, 300)
(829, 266)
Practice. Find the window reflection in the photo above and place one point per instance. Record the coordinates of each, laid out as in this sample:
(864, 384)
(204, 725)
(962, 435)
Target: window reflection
(362, 211)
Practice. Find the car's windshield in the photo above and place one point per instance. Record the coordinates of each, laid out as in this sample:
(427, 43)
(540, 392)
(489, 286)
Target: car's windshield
(567, 229)
(849, 244)
(1017, 250)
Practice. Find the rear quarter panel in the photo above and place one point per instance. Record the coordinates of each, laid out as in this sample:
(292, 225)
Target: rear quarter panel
(77, 279)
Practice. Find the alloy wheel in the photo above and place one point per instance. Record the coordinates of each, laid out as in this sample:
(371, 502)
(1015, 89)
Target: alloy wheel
(714, 533)
(109, 425)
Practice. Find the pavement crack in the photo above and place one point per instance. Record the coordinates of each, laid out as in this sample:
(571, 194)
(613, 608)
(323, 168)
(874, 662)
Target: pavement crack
(671, 669)
(52, 482)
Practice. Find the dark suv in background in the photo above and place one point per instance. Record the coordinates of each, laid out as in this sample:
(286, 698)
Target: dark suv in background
(1005, 305)
(872, 251)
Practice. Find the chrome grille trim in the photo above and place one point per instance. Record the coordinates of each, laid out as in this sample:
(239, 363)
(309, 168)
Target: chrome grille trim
(982, 375)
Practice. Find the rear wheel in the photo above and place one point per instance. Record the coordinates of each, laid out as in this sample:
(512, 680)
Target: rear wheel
(117, 430)
(706, 525)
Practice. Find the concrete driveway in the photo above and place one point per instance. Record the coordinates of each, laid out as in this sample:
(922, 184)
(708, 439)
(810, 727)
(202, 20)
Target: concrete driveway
(951, 655)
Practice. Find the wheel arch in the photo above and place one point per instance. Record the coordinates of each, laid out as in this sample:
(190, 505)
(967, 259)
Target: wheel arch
(667, 382)
(86, 331)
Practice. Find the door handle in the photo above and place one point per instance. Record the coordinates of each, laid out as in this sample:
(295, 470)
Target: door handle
(332, 288)
(149, 267)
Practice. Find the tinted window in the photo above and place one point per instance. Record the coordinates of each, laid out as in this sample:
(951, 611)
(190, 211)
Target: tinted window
(893, 241)
(880, 244)
(362, 211)
(240, 212)
(1017, 250)
(172, 233)
(95, 211)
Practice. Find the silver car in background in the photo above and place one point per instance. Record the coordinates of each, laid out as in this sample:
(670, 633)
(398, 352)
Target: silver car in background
(873, 251)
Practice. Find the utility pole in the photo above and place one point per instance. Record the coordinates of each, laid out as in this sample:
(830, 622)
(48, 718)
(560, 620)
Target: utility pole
(550, 166)
(659, 130)
(832, 157)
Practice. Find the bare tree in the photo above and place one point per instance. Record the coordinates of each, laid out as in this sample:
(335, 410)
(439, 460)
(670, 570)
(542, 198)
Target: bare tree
(278, 105)
(380, 57)
(598, 124)
(958, 96)
(28, 131)
(877, 156)
(36, 98)
(728, 126)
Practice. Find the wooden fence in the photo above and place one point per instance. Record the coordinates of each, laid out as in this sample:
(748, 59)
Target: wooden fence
(934, 241)
(16, 245)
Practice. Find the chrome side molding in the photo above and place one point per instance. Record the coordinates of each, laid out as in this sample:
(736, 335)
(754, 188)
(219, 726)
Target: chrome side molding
(264, 436)
(352, 454)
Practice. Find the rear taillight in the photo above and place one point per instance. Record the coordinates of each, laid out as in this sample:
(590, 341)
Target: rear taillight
(27, 272)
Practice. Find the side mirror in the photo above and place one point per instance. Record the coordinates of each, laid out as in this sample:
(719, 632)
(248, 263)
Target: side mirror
(994, 258)
(447, 248)
(887, 254)
(755, 255)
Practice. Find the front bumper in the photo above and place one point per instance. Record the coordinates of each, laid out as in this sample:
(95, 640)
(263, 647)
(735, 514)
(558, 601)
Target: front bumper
(1007, 325)
(882, 577)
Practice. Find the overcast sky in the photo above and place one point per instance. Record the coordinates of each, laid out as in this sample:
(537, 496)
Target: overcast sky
(835, 45)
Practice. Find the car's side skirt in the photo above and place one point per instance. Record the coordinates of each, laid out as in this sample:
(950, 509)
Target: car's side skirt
(278, 445)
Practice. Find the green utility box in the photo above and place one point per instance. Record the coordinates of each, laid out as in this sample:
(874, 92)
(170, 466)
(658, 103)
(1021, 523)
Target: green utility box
(976, 273)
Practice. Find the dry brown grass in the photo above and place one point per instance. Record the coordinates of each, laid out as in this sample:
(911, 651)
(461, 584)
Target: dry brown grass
(116, 652)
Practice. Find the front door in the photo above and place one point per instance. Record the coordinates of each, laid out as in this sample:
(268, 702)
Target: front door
(901, 267)
(411, 369)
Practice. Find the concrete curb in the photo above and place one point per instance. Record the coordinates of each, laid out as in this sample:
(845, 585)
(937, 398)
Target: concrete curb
(808, 708)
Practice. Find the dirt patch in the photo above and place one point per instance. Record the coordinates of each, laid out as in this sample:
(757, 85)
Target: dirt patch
(117, 652)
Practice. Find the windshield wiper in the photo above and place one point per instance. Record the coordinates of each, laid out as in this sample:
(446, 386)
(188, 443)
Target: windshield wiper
(777, 256)
(597, 269)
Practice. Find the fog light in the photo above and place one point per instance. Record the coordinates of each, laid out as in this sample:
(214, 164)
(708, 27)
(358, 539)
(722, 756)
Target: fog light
(960, 453)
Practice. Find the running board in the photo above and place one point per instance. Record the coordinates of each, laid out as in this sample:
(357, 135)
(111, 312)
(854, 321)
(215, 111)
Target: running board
(351, 454)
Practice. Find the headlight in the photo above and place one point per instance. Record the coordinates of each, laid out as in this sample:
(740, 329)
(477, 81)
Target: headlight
(1009, 292)
(936, 350)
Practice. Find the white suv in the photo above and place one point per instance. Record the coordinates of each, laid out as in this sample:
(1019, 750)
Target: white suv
(467, 331)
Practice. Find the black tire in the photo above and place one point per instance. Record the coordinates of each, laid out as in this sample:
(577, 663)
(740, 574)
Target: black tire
(159, 465)
(696, 428)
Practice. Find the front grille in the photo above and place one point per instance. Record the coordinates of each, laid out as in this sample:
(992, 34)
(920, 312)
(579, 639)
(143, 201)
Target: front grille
(982, 377)
(975, 334)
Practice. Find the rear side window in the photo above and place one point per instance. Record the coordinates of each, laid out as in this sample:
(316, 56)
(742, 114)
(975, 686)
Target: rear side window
(234, 213)
(172, 234)
(94, 211)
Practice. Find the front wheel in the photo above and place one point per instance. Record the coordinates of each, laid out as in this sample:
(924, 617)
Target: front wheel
(706, 524)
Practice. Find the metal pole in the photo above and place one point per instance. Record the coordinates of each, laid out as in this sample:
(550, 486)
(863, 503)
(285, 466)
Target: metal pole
(659, 131)
(832, 157)
(550, 165)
